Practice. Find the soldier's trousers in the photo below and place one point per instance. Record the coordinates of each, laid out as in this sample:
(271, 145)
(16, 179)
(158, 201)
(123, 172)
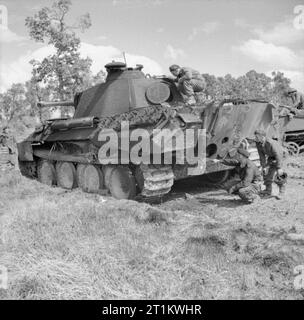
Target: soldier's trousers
(188, 87)
(250, 192)
(268, 178)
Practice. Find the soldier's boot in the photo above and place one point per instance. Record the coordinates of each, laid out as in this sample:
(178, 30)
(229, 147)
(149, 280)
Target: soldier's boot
(281, 194)
(190, 101)
(267, 192)
(255, 198)
(248, 194)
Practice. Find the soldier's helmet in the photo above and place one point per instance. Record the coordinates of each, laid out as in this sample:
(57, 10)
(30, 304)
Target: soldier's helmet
(260, 132)
(174, 67)
(290, 92)
(280, 179)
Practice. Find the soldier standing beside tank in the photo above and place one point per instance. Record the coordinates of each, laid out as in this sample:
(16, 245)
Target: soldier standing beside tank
(8, 142)
(249, 186)
(189, 81)
(3, 136)
(271, 158)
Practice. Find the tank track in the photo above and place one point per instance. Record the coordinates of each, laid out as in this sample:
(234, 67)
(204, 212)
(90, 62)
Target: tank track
(156, 180)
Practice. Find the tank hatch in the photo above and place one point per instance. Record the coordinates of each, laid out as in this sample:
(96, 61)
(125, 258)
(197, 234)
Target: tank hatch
(119, 70)
(114, 65)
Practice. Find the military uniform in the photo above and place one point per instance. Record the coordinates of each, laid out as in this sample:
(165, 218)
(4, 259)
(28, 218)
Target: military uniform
(298, 100)
(190, 81)
(295, 99)
(271, 156)
(249, 185)
(8, 146)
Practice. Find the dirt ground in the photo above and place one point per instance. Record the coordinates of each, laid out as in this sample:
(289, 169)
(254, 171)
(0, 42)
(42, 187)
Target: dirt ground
(199, 243)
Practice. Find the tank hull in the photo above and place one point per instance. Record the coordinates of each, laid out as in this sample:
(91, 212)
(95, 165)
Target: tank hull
(226, 126)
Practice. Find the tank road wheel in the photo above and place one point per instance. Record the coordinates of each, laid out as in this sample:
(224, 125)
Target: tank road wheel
(107, 171)
(218, 177)
(46, 172)
(293, 148)
(66, 175)
(91, 179)
(122, 183)
(79, 173)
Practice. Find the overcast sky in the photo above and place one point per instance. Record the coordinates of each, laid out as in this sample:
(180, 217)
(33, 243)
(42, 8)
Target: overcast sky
(212, 36)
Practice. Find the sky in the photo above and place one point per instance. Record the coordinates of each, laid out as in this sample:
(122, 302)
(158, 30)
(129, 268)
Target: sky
(211, 36)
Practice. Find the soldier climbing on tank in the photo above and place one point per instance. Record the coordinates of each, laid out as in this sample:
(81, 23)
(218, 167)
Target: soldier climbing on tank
(271, 159)
(189, 82)
(297, 99)
(248, 186)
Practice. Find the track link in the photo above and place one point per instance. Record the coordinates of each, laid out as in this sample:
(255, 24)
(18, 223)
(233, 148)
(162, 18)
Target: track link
(156, 180)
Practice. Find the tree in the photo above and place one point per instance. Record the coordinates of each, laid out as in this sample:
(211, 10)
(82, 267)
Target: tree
(62, 73)
(214, 87)
(100, 77)
(252, 85)
(35, 93)
(280, 85)
(13, 103)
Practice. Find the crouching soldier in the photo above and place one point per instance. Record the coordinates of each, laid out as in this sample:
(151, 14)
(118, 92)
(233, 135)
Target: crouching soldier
(271, 158)
(189, 82)
(249, 186)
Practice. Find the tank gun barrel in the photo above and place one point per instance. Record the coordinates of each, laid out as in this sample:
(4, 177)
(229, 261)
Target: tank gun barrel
(43, 104)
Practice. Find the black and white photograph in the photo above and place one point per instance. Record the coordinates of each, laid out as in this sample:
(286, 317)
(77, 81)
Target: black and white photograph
(151, 150)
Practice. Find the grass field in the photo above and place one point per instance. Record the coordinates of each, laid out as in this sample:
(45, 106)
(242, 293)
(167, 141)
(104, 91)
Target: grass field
(61, 244)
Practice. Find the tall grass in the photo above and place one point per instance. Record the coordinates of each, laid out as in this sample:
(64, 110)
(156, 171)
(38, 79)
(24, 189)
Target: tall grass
(71, 245)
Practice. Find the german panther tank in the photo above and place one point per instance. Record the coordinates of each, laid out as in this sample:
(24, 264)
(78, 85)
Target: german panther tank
(116, 124)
